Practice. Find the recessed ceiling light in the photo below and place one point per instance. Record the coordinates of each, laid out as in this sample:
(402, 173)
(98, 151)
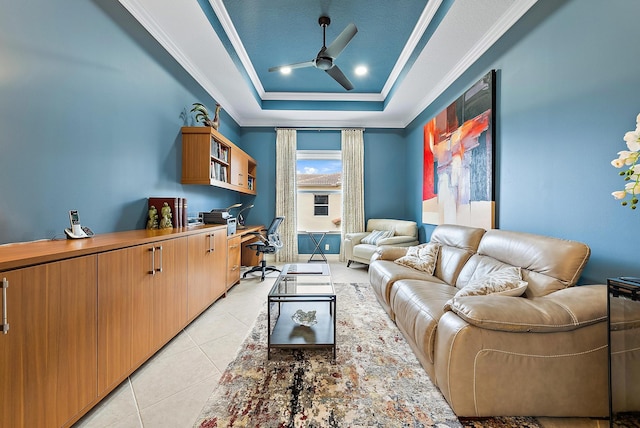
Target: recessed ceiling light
(285, 70)
(361, 70)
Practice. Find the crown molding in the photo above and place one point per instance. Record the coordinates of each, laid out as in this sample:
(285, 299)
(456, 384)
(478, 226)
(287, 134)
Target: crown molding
(234, 37)
(416, 35)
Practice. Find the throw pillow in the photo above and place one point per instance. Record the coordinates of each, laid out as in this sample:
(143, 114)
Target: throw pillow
(506, 281)
(423, 257)
(375, 236)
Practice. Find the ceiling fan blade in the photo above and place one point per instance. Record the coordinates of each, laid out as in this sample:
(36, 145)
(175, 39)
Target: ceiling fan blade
(292, 66)
(337, 74)
(341, 42)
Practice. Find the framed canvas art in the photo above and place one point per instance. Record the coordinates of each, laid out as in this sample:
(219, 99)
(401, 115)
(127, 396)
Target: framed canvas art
(458, 185)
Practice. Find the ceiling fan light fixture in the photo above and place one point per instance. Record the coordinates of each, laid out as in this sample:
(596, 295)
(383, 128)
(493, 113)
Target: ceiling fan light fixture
(324, 63)
(285, 70)
(361, 70)
(325, 58)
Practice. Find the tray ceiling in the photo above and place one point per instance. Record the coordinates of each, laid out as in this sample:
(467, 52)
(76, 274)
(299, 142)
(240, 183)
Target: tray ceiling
(412, 50)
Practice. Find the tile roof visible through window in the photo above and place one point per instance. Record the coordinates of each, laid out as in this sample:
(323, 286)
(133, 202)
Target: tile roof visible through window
(329, 180)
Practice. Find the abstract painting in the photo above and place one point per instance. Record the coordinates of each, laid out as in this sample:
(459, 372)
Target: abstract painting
(458, 185)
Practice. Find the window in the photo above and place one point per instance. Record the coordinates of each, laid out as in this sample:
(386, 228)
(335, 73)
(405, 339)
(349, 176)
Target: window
(319, 190)
(321, 205)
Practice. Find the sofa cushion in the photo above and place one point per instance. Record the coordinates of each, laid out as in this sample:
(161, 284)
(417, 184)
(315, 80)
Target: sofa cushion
(400, 227)
(375, 236)
(422, 257)
(548, 264)
(564, 310)
(418, 306)
(384, 273)
(458, 243)
(506, 281)
(364, 251)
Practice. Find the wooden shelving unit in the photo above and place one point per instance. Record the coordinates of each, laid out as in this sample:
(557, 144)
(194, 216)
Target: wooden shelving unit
(209, 158)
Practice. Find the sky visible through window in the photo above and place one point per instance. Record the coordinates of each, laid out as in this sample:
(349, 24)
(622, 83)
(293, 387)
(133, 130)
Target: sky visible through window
(318, 166)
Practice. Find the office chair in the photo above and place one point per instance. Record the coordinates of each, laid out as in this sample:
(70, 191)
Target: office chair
(269, 244)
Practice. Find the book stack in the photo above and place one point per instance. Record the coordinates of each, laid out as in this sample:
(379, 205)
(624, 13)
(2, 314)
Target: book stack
(178, 211)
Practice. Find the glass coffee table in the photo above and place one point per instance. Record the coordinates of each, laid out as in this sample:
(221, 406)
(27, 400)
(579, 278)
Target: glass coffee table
(301, 308)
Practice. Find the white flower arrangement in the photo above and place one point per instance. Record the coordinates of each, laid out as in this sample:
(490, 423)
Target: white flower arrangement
(629, 160)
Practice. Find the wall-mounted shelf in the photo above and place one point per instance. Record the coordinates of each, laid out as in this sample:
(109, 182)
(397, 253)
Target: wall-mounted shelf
(211, 159)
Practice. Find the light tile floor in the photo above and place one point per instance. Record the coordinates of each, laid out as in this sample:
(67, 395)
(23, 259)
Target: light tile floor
(171, 388)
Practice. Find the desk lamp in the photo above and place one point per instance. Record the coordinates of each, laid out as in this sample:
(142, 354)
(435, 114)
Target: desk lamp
(240, 218)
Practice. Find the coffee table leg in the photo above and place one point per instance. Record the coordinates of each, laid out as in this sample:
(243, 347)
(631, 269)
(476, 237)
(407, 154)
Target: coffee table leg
(268, 329)
(332, 309)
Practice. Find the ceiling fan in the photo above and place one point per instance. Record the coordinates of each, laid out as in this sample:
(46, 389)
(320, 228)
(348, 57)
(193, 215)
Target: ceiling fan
(327, 55)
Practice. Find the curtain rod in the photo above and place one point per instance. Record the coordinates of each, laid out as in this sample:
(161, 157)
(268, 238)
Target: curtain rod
(317, 129)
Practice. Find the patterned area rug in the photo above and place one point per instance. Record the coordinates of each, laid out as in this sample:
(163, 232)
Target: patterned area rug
(376, 381)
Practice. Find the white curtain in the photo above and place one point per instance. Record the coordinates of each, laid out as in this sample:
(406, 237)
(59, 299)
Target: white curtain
(286, 193)
(352, 183)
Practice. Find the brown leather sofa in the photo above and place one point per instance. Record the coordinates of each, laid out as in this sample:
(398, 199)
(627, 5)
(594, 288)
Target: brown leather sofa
(541, 354)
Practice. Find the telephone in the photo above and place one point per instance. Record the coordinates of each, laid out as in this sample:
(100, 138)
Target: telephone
(77, 231)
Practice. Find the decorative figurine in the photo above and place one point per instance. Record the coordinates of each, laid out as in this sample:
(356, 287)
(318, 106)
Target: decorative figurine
(202, 115)
(152, 222)
(306, 319)
(165, 212)
(216, 118)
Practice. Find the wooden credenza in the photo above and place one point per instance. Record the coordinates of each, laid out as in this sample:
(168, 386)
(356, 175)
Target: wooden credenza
(81, 315)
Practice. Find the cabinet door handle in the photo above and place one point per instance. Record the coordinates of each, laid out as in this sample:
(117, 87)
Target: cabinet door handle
(212, 247)
(161, 263)
(153, 260)
(233, 247)
(4, 327)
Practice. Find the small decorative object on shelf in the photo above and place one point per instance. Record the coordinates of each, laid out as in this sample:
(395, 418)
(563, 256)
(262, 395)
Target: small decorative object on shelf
(216, 118)
(629, 159)
(174, 215)
(306, 319)
(165, 212)
(152, 222)
(202, 115)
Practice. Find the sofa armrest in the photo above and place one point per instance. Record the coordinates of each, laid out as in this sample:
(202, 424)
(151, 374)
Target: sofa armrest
(386, 252)
(400, 240)
(563, 310)
(481, 371)
(355, 237)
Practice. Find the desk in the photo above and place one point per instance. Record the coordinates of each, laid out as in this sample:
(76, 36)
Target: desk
(318, 242)
(248, 256)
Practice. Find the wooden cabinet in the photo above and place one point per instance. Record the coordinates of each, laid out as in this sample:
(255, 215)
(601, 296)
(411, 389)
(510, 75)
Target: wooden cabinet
(206, 267)
(210, 158)
(48, 355)
(142, 304)
(239, 169)
(82, 315)
(169, 291)
(233, 260)
(115, 316)
(77, 338)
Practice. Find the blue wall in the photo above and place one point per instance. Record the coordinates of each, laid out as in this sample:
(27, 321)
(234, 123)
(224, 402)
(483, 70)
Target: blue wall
(384, 155)
(567, 91)
(89, 119)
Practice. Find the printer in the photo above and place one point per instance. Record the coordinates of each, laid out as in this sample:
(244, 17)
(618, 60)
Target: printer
(220, 216)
